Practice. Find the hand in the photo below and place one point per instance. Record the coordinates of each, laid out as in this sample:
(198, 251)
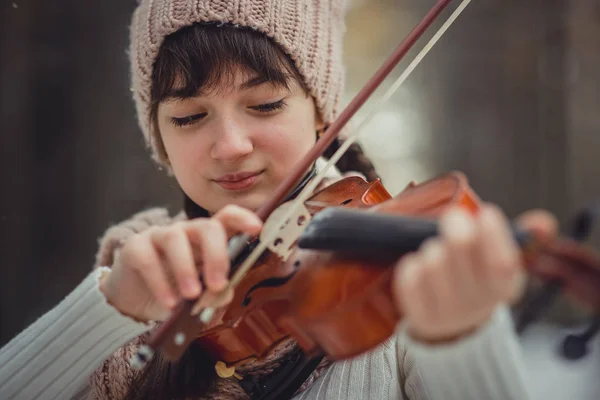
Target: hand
(452, 285)
(158, 267)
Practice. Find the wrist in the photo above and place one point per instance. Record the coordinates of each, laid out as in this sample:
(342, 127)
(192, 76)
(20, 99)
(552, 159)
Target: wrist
(432, 339)
(451, 331)
(103, 286)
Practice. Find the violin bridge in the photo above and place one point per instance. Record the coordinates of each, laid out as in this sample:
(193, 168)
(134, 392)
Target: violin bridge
(289, 232)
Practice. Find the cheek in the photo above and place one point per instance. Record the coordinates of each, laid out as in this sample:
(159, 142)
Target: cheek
(187, 156)
(288, 142)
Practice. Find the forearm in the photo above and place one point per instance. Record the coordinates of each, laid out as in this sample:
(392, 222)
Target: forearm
(485, 365)
(54, 356)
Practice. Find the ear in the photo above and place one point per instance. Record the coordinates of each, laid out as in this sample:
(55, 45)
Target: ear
(163, 155)
(319, 125)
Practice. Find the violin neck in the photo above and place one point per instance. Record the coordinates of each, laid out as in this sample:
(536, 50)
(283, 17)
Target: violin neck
(364, 233)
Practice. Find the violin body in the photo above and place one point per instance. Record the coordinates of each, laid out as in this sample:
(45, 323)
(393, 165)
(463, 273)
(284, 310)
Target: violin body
(328, 302)
(344, 304)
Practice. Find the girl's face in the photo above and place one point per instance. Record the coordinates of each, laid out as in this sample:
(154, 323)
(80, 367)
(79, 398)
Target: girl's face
(235, 145)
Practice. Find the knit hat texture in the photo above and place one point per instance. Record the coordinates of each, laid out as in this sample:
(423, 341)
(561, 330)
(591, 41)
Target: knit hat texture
(309, 31)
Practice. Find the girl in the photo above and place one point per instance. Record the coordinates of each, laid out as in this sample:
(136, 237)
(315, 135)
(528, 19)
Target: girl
(230, 96)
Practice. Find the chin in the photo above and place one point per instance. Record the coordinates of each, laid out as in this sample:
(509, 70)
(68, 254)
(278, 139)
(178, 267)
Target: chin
(250, 201)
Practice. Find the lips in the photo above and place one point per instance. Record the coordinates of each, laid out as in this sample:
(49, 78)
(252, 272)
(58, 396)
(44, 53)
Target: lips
(237, 177)
(238, 181)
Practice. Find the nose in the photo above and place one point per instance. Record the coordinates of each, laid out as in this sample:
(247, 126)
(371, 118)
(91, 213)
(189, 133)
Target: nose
(232, 141)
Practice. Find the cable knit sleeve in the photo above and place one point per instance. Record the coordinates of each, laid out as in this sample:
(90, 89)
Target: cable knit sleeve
(54, 356)
(118, 234)
(112, 378)
(486, 365)
(83, 339)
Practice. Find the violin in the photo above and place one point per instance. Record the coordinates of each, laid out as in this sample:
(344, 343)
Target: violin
(320, 272)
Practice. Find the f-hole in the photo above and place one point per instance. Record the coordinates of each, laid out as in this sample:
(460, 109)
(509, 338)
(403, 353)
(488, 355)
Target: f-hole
(271, 282)
(343, 203)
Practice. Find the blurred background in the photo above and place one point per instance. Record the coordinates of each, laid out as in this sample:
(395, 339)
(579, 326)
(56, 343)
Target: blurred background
(510, 96)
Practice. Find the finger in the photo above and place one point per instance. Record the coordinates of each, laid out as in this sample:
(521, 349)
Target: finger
(540, 221)
(584, 289)
(213, 299)
(578, 280)
(458, 231)
(416, 292)
(176, 250)
(436, 276)
(237, 219)
(404, 283)
(498, 251)
(210, 239)
(141, 256)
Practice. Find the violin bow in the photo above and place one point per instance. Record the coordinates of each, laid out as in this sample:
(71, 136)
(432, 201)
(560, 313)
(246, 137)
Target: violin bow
(239, 242)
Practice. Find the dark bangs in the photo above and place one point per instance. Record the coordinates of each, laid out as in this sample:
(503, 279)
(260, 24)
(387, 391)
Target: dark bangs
(203, 57)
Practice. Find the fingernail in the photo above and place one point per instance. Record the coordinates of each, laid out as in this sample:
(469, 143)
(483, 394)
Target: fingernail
(408, 270)
(487, 213)
(170, 302)
(490, 219)
(190, 287)
(458, 223)
(197, 307)
(258, 224)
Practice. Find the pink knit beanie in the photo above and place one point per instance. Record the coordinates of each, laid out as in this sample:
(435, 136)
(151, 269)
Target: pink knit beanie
(309, 31)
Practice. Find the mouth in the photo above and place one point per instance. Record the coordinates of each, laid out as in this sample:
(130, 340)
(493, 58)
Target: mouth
(239, 181)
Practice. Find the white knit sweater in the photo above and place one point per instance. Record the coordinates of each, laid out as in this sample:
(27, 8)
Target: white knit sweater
(53, 358)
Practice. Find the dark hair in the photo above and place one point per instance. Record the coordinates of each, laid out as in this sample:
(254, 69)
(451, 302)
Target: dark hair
(196, 59)
(205, 56)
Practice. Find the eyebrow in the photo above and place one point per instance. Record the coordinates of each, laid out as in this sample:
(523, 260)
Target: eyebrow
(252, 82)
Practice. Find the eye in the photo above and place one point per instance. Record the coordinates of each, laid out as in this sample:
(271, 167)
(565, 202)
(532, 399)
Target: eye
(270, 107)
(185, 121)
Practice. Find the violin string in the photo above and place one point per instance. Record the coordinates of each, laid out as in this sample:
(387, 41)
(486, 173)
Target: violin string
(269, 237)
